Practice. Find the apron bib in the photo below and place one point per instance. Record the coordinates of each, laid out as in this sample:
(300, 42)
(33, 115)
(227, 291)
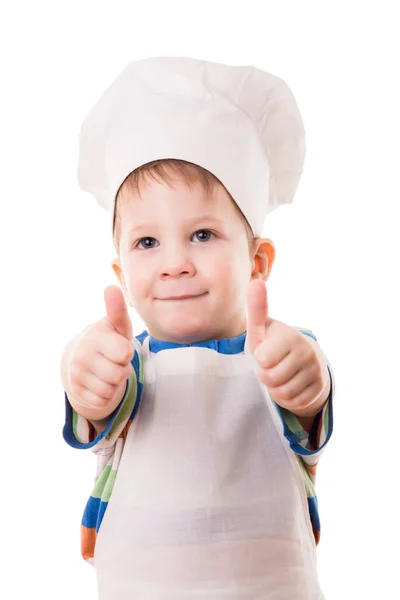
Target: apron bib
(209, 500)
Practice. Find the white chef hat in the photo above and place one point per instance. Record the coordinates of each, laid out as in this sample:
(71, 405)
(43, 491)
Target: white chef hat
(240, 123)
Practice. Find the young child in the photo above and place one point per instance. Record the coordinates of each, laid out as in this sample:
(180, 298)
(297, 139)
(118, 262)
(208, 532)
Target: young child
(208, 426)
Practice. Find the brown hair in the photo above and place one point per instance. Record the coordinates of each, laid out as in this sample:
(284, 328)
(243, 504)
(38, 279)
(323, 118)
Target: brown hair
(165, 171)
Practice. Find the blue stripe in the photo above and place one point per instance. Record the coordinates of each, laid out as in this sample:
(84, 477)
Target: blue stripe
(138, 399)
(91, 512)
(136, 364)
(94, 513)
(314, 514)
(233, 345)
(142, 336)
(102, 510)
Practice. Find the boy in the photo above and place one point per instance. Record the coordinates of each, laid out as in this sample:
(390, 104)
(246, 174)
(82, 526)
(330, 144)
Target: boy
(207, 426)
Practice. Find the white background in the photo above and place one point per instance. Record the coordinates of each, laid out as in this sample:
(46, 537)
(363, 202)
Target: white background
(336, 270)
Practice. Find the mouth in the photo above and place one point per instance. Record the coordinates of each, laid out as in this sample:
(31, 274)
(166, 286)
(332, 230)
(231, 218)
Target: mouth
(184, 297)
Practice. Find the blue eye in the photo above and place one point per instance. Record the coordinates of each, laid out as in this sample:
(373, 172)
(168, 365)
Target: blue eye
(145, 239)
(147, 243)
(206, 231)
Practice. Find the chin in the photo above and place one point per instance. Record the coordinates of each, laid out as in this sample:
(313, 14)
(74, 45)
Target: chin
(183, 333)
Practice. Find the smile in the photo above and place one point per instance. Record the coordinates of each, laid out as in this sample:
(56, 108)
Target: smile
(186, 297)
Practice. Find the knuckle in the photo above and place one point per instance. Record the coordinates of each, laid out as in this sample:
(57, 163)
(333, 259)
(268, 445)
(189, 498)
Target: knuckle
(127, 352)
(86, 396)
(107, 392)
(272, 378)
(312, 352)
(286, 392)
(296, 406)
(75, 370)
(94, 400)
(316, 368)
(116, 376)
(91, 342)
(312, 358)
(94, 329)
(320, 381)
(81, 354)
(75, 389)
(125, 358)
(98, 402)
(317, 375)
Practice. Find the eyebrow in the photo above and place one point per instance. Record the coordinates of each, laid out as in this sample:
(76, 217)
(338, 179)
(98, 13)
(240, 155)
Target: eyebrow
(188, 222)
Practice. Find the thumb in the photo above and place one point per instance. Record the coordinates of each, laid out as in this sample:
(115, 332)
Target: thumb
(257, 313)
(117, 311)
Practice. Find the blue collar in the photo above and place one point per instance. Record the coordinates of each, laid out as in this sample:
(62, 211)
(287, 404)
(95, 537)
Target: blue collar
(233, 345)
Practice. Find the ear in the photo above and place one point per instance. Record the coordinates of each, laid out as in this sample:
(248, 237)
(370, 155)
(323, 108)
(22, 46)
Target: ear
(117, 268)
(263, 253)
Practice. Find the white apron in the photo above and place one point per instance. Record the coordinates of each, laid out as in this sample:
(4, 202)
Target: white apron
(209, 500)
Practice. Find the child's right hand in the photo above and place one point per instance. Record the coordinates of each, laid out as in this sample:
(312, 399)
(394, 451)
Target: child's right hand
(97, 362)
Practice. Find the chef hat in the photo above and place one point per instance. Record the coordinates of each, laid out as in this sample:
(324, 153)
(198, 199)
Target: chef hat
(240, 123)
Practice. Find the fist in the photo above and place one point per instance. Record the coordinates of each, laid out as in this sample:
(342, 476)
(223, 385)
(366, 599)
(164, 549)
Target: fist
(99, 360)
(292, 365)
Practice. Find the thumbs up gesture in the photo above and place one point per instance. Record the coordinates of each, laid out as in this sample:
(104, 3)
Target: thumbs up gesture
(292, 365)
(97, 362)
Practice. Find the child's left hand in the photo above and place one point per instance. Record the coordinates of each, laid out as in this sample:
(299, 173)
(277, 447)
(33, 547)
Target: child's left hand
(293, 367)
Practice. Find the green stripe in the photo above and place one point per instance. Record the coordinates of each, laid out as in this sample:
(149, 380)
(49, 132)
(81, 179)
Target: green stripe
(130, 399)
(128, 404)
(310, 490)
(104, 484)
(108, 488)
(75, 418)
(326, 420)
(101, 482)
(293, 424)
(141, 368)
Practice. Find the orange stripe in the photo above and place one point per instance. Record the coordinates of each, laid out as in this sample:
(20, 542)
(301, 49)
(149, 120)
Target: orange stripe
(125, 430)
(311, 468)
(88, 541)
(317, 534)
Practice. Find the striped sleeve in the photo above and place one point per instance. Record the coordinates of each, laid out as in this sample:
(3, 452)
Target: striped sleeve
(308, 447)
(108, 447)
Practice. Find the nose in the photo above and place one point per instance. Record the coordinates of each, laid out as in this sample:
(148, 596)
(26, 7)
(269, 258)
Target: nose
(176, 262)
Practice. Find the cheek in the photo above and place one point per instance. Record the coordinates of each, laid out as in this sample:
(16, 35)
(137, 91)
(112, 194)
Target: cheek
(232, 272)
(137, 278)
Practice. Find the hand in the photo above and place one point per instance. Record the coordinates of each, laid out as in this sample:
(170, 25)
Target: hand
(99, 360)
(292, 366)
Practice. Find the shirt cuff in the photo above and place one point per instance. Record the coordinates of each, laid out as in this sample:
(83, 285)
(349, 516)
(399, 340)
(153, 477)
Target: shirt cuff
(79, 433)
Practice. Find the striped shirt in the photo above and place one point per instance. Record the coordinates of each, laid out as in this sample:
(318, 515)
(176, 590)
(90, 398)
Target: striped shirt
(109, 444)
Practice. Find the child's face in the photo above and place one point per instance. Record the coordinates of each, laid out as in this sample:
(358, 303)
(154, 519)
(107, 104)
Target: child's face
(179, 241)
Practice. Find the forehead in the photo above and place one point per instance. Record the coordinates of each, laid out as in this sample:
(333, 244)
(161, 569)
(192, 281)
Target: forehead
(157, 198)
